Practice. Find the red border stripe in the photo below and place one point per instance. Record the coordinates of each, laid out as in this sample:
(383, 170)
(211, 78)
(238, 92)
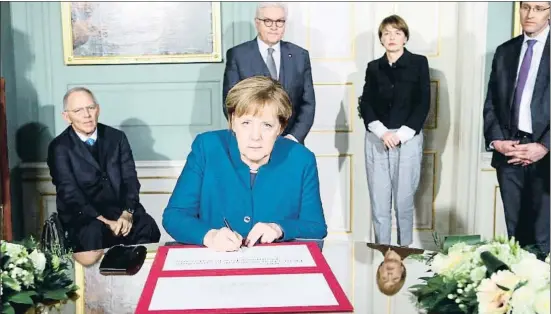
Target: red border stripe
(322, 267)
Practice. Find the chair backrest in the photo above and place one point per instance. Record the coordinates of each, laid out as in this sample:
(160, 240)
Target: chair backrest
(53, 238)
(359, 109)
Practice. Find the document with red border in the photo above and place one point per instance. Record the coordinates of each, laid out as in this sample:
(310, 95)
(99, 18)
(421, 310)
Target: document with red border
(270, 278)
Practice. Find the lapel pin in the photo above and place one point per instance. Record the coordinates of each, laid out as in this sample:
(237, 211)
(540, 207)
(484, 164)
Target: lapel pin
(290, 55)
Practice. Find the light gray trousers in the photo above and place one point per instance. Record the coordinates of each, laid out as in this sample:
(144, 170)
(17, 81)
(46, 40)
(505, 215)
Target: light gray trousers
(393, 175)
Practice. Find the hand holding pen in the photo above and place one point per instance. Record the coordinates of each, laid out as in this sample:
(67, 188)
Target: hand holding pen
(231, 229)
(260, 233)
(224, 239)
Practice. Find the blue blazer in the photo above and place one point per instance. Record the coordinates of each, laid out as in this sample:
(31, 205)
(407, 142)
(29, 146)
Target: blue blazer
(216, 184)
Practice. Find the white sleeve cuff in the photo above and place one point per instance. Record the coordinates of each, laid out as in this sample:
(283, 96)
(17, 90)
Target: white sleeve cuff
(405, 133)
(378, 128)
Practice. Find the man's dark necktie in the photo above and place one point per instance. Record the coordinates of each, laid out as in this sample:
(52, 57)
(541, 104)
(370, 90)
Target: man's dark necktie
(271, 63)
(521, 82)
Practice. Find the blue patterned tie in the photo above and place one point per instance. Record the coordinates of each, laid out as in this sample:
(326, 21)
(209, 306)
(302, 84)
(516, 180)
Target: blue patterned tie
(90, 142)
(521, 82)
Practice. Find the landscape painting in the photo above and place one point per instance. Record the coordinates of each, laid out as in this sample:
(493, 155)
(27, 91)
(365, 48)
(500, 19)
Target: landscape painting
(141, 32)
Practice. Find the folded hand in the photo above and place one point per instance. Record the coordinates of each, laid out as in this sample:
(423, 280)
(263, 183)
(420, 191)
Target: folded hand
(505, 147)
(115, 226)
(265, 232)
(223, 240)
(390, 139)
(526, 154)
(125, 221)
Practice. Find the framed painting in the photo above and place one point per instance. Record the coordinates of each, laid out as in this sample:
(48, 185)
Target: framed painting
(141, 32)
(517, 28)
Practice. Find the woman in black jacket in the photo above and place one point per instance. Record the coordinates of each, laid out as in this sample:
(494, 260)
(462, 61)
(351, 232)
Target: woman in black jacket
(394, 105)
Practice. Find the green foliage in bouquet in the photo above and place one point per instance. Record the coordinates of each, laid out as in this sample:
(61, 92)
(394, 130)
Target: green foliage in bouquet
(474, 276)
(32, 278)
(443, 245)
(452, 240)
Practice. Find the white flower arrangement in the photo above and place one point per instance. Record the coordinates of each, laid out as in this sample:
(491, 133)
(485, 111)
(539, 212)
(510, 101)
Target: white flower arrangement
(467, 279)
(31, 278)
(522, 290)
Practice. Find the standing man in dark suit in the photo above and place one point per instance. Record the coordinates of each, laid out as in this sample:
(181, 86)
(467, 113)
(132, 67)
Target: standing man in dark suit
(516, 126)
(283, 61)
(97, 187)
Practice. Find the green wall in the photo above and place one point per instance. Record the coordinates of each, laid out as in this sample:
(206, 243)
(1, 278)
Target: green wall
(499, 29)
(160, 106)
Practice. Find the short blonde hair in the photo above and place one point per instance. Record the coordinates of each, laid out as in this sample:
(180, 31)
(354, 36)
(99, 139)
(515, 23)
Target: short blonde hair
(396, 22)
(252, 95)
(391, 289)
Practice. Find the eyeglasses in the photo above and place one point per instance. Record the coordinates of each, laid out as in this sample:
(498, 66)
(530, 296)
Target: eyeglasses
(80, 111)
(527, 9)
(269, 23)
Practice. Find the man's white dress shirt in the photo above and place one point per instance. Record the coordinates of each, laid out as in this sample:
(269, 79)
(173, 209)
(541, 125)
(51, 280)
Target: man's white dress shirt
(525, 114)
(263, 48)
(84, 138)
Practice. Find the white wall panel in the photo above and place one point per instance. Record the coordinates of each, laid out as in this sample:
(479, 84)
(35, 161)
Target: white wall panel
(331, 30)
(424, 28)
(335, 185)
(335, 105)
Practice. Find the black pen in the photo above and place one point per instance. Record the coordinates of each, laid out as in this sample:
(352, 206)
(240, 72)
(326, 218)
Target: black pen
(228, 224)
(231, 229)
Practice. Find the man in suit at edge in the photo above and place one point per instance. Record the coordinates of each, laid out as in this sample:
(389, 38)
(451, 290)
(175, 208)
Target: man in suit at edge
(97, 187)
(270, 56)
(516, 126)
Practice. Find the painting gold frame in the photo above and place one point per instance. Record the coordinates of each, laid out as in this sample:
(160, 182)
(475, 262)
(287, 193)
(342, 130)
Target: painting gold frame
(433, 124)
(70, 59)
(517, 28)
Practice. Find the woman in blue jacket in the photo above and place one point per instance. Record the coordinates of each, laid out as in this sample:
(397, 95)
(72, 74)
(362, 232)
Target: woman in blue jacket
(247, 185)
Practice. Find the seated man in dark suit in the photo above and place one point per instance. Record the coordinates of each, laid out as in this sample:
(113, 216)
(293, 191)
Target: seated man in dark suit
(92, 167)
(268, 55)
